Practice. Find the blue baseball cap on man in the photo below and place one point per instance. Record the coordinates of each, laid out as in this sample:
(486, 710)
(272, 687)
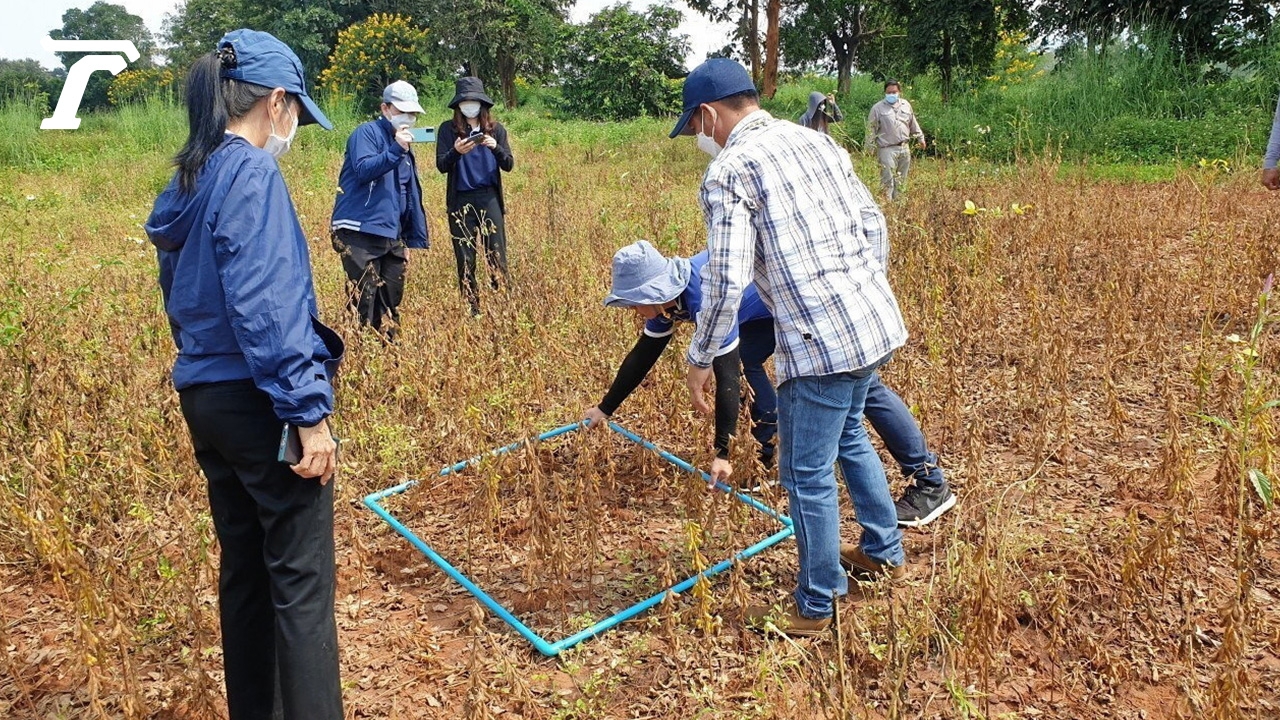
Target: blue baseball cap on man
(263, 60)
(715, 79)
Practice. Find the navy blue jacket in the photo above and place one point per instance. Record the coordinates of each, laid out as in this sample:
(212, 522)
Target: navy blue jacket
(369, 188)
(236, 276)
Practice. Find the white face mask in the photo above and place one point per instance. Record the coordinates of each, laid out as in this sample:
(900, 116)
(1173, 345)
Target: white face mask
(277, 145)
(470, 108)
(707, 143)
(403, 120)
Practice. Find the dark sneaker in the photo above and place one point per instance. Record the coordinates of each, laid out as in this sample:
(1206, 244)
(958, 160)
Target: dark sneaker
(749, 484)
(922, 504)
(789, 621)
(862, 567)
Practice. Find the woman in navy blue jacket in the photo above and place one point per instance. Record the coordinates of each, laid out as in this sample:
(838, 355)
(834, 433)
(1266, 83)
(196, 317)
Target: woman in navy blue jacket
(252, 356)
(378, 212)
(473, 152)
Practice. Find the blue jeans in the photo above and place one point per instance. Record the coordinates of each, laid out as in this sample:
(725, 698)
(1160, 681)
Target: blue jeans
(888, 415)
(897, 427)
(820, 422)
(756, 344)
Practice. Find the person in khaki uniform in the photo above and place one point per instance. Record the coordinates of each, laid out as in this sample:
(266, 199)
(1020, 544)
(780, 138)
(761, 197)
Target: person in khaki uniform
(892, 124)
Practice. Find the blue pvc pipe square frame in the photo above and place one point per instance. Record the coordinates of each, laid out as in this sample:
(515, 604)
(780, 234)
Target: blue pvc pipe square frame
(551, 649)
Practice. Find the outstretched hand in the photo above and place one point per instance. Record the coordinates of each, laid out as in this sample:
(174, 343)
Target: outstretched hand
(697, 382)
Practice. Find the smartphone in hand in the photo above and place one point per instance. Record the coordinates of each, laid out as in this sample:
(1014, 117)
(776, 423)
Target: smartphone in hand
(421, 135)
(290, 445)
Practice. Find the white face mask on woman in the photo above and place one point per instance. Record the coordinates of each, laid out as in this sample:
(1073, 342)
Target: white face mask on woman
(707, 143)
(470, 108)
(277, 145)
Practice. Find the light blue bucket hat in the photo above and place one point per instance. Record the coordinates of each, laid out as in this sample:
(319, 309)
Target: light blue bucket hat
(642, 276)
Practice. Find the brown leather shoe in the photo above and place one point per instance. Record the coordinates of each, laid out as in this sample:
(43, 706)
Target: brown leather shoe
(789, 621)
(862, 567)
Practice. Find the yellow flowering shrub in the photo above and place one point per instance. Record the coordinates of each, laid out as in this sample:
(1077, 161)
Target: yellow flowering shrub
(133, 86)
(1014, 61)
(372, 54)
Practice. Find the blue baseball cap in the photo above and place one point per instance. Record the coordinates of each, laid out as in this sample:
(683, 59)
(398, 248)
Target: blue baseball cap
(715, 79)
(263, 60)
(642, 276)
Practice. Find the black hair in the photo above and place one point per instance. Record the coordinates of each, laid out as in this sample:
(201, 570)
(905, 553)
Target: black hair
(890, 82)
(741, 101)
(212, 102)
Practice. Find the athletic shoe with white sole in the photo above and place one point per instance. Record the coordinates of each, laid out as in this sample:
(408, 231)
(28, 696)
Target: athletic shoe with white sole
(922, 504)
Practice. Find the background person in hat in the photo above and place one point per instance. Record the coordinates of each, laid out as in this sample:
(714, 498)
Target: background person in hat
(666, 291)
(822, 112)
(378, 212)
(472, 151)
(252, 355)
(891, 125)
(784, 209)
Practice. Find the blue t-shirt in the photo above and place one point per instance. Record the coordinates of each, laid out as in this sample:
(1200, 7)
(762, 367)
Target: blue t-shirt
(477, 170)
(690, 302)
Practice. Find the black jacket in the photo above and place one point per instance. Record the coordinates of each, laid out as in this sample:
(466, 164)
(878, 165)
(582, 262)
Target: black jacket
(447, 158)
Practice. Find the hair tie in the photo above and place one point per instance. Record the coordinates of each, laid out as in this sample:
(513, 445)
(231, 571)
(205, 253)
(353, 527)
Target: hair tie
(227, 57)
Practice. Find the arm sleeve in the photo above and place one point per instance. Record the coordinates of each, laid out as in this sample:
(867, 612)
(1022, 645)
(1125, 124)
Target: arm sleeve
(633, 370)
(1272, 158)
(728, 373)
(836, 114)
(871, 128)
(446, 156)
(730, 257)
(263, 272)
(915, 126)
(370, 164)
(506, 160)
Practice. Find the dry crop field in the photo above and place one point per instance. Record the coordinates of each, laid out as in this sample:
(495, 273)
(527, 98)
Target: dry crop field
(1090, 365)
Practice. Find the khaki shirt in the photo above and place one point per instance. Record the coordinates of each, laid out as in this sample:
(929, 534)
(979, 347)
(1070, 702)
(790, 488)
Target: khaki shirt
(893, 124)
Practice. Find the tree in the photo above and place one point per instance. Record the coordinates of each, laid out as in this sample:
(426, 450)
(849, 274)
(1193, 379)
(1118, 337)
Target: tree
(820, 31)
(497, 39)
(1201, 30)
(371, 55)
(773, 12)
(26, 79)
(745, 14)
(956, 37)
(624, 64)
(309, 27)
(103, 21)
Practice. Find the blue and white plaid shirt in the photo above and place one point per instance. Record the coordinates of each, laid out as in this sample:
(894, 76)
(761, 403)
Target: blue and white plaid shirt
(783, 204)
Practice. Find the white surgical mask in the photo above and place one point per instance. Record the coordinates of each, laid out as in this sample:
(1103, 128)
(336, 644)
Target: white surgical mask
(707, 143)
(403, 120)
(277, 145)
(891, 98)
(470, 108)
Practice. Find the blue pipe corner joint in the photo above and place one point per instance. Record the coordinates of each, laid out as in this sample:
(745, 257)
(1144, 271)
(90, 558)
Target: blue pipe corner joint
(374, 502)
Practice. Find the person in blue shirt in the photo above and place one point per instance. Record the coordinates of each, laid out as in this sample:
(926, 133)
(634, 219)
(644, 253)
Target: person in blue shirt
(665, 291)
(378, 212)
(253, 361)
(472, 151)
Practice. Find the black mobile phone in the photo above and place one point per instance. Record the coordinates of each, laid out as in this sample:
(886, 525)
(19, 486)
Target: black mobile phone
(290, 445)
(476, 135)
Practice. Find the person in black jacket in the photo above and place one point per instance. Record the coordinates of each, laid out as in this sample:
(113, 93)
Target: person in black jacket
(472, 150)
(378, 211)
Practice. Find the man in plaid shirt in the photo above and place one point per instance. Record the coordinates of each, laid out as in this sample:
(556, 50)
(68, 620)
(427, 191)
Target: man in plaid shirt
(784, 208)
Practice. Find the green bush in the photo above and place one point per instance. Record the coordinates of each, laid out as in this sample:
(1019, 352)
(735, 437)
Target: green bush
(624, 64)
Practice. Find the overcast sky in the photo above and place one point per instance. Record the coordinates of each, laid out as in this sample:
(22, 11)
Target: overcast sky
(21, 32)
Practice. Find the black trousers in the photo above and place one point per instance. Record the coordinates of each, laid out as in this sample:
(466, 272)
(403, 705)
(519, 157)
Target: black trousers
(476, 220)
(276, 580)
(375, 273)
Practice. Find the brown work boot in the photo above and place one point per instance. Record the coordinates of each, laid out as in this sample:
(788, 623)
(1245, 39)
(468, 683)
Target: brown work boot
(862, 567)
(788, 621)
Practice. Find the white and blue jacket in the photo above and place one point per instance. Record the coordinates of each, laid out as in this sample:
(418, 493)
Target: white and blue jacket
(368, 198)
